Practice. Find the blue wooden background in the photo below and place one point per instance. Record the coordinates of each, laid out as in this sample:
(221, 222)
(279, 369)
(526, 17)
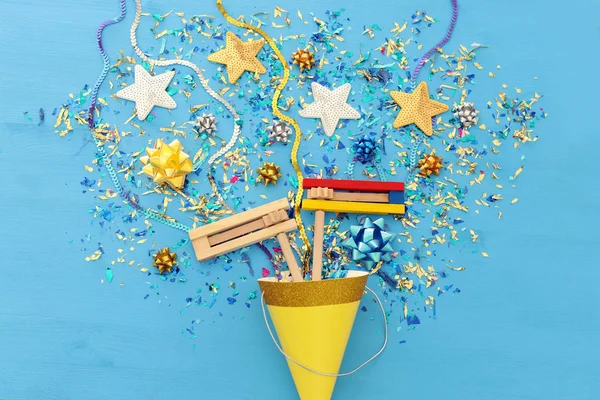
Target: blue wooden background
(524, 327)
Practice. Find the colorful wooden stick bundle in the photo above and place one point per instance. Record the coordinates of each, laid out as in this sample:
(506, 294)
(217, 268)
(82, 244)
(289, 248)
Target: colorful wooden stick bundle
(359, 197)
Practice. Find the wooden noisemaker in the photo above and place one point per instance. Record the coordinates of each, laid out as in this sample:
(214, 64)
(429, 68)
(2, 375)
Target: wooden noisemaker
(247, 228)
(345, 196)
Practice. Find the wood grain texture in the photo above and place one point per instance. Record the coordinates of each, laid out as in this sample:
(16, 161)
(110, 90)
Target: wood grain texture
(239, 219)
(362, 197)
(289, 257)
(247, 240)
(319, 226)
(234, 232)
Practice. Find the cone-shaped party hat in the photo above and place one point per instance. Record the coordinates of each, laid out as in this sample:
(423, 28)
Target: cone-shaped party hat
(313, 320)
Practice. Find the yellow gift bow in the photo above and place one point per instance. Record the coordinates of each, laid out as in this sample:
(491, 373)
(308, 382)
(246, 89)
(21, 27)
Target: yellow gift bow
(167, 163)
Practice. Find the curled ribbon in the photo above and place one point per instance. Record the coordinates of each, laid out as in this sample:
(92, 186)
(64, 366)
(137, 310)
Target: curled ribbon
(294, 155)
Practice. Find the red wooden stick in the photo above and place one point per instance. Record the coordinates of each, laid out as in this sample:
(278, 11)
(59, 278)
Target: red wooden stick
(351, 185)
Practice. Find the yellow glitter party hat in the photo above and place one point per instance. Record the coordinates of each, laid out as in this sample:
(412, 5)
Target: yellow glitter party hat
(313, 320)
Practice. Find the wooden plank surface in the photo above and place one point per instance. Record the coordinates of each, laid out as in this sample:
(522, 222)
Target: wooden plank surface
(523, 327)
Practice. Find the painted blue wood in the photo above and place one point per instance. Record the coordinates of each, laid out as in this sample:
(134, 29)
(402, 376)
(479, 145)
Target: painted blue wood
(524, 327)
(397, 197)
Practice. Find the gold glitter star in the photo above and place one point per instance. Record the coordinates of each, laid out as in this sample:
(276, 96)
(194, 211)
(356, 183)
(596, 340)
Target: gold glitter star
(269, 173)
(239, 56)
(417, 108)
(164, 260)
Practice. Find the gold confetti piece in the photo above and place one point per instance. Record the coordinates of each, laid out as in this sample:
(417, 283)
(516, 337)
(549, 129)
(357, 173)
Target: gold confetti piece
(95, 256)
(278, 12)
(518, 172)
(299, 15)
(514, 200)
(483, 253)
(88, 169)
(398, 29)
(491, 74)
(474, 236)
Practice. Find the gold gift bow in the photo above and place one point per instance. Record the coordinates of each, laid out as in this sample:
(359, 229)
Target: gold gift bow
(280, 115)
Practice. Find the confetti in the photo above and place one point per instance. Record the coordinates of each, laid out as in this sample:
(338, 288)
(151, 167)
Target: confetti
(443, 211)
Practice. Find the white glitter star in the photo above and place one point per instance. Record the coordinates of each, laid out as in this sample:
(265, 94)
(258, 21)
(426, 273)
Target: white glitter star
(148, 91)
(330, 106)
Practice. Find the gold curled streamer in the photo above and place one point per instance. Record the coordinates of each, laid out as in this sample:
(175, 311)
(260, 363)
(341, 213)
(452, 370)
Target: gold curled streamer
(294, 154)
